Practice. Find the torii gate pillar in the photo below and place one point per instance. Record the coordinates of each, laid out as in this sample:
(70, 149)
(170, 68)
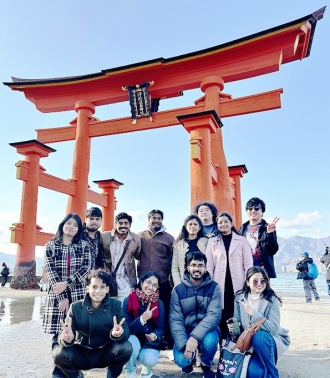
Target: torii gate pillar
(81, 159)
(221, 190)
(108, 213)
(24, 276)
(236, 173)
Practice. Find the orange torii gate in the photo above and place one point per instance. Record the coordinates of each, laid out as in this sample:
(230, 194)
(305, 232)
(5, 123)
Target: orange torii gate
(209, 70)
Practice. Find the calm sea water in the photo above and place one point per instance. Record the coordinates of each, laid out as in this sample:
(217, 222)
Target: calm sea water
(286, 284)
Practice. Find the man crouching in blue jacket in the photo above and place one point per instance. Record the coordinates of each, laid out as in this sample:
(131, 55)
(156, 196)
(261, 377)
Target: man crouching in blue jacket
(195, 313)
(94, 332)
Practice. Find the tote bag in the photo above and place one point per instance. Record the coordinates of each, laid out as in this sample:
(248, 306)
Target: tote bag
(232, 362)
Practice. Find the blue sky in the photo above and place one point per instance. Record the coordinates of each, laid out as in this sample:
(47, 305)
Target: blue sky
(286, 151)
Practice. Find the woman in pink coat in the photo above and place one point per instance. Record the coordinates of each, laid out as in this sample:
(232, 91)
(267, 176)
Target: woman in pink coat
(228, 259)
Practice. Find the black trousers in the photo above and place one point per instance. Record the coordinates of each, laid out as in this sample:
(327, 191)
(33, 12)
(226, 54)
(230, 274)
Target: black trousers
(72, 359)
(165, 291)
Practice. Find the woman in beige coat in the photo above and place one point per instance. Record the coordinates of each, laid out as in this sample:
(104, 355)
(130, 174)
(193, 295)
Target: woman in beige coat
(228, 259)
(191, 239)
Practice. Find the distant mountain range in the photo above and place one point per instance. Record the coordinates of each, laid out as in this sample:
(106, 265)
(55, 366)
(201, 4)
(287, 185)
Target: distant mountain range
(285, 259)
(291, 249)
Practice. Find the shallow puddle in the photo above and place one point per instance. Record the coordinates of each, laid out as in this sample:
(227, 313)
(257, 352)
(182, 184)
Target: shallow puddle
(15, 311)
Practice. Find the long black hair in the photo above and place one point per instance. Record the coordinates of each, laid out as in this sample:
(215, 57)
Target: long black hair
(76, 239)
(184, 233)
(268, 293)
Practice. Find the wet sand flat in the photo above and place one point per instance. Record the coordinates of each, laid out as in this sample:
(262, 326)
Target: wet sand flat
(26, 349)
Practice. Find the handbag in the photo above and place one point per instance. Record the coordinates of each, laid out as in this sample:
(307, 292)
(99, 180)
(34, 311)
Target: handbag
(113, 288)
(245, 339)
(232, 362)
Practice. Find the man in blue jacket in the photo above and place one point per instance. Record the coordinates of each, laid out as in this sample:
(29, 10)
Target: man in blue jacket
(195, 313)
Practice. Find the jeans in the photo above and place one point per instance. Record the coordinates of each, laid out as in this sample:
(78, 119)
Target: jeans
(309, 287)
(263, 360)
(72, 359)
(208, 347)
(328, 288)
(148, 357)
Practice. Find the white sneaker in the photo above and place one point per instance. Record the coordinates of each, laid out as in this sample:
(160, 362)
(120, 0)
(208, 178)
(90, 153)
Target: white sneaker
(169, 354)
(146, 372)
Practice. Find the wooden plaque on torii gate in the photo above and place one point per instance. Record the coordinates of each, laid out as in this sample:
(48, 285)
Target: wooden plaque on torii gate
(208, 69)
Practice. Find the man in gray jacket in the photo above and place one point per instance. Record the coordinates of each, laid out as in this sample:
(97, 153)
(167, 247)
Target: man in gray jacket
(195, 313)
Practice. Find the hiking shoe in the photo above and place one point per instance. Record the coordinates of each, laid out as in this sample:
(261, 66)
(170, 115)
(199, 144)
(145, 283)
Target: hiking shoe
(146, 372)
(186, 371)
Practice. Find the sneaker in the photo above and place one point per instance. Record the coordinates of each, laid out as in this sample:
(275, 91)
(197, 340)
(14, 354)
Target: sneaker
(198, 360)
(170, 355)
(186, 371)
(146, 372)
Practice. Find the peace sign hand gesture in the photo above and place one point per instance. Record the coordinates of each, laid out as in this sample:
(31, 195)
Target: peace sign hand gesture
(148, 313)
(67, 334)
(117, 329)
(271, 227)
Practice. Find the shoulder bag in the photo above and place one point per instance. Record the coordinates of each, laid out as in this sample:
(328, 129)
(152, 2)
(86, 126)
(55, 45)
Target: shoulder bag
(113, 291)
(244, 341)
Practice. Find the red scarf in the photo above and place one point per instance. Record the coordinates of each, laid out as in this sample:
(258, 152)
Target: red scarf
(136, 296)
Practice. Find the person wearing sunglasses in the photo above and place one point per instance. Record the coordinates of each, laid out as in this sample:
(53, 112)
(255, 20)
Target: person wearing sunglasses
(145, 315)
(228, 259)
(260, 235)
(257, 300)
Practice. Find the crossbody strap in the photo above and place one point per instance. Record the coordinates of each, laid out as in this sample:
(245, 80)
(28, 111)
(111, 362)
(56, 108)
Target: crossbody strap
(122, 256)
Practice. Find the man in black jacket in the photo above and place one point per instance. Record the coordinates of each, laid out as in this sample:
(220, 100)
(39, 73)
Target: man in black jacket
(260, 235)
(309, 284)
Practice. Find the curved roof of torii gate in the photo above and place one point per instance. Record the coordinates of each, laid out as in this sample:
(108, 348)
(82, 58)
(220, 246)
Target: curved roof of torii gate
(250, 56)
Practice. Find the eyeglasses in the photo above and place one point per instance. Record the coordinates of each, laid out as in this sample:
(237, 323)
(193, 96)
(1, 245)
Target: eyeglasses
(256, 208)
(150, 283)
(262, 282)
(200, 266)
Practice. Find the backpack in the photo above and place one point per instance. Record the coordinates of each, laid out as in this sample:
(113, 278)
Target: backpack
(312, 272)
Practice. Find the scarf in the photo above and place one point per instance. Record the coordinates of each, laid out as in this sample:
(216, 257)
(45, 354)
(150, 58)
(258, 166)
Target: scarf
(136, 296)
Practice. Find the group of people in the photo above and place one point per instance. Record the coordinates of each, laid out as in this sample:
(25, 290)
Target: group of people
(176, 294)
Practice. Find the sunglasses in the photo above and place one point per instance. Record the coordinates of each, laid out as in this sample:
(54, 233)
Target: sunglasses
(262, 282)
(256, 208)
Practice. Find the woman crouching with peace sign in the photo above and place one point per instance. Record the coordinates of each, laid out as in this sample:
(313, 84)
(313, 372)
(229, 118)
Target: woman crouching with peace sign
(145, 316)
(94, 333)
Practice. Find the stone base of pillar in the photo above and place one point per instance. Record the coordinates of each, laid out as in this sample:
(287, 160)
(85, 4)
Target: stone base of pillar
(24, 277)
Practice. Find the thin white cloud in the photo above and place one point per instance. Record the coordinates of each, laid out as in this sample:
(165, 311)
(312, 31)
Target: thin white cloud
(300, 220)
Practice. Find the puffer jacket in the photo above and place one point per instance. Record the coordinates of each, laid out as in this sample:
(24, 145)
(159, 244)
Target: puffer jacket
(195, 310)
